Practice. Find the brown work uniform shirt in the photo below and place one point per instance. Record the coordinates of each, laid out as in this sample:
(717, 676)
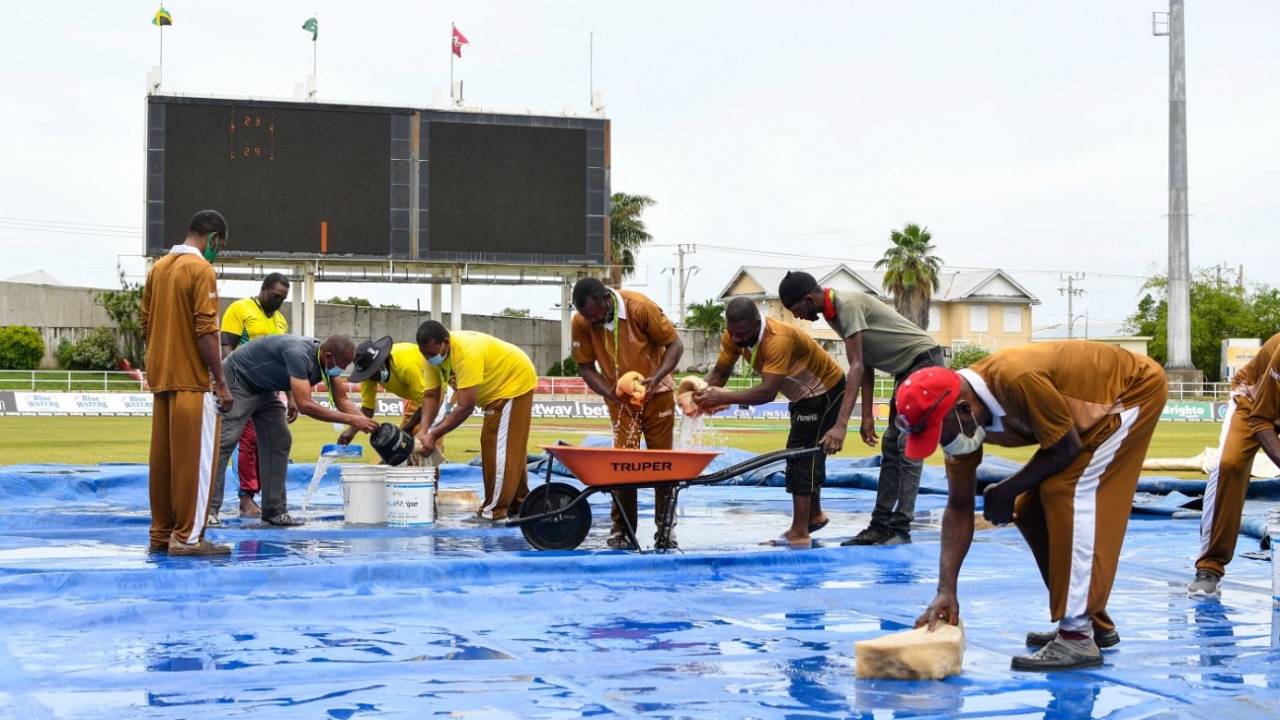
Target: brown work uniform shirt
(1036, 393)
(1256, 387)
(784, 350)
(179, 304)
(643, 335)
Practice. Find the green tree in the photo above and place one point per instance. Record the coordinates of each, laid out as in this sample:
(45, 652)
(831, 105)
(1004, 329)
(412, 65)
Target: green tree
(357, 302)
(707, 315)
(627, 232)
(911, 272)
(1219, 310)
(95, 350)
(966, 356)
(124, 307)
(21, 348)
(514, 312)
(565, 368)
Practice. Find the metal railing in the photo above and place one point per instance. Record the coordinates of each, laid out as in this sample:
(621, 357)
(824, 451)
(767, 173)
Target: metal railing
(1212, 391)
(71, 381)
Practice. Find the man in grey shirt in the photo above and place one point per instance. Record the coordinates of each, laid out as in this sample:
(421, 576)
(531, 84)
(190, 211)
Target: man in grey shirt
(876, 337)
(256, 375)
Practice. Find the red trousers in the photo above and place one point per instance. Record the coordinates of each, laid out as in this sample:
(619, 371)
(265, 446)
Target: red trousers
(247, 468)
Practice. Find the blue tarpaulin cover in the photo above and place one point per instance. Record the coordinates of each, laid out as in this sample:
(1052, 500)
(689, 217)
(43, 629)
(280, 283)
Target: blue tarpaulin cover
(463, 620)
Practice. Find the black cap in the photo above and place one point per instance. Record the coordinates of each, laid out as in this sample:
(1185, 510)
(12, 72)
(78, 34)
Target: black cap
(371, 357)
(795, 285)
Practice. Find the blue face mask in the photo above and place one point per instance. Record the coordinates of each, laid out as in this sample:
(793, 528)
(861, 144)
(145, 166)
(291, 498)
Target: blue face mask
(332, 372)
(436, 360)
(384, 375)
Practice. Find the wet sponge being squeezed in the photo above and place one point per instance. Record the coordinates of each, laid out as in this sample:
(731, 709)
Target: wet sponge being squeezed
(630, 388)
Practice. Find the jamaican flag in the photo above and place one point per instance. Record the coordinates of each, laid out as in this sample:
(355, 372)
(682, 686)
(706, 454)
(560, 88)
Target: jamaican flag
(162, 17)
(312, 26)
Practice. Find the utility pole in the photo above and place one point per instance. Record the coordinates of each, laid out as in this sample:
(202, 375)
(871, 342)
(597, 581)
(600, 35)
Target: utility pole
(682, 280)
(1071, 291)
(1172, 25)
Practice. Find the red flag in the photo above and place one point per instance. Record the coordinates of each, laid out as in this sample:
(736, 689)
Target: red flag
(458, 41)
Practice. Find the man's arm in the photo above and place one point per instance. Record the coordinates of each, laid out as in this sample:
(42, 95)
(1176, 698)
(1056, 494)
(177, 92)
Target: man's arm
(229, 342)
(464, 402)
(411, 425)
(301, 391)
(594, 380)
(957, 536)
(764, 391)
(997, 502)
(833, 440)
(670, 357)
(719, 375)
(208, 344)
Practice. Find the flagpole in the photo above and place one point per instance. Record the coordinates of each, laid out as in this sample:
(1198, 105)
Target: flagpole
(452, 39)
(162, 48)
(591, 69)
(313, 67)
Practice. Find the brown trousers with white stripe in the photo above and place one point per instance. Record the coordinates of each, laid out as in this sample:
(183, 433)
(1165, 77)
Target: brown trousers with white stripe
(504, 454)
(1075, 520)
(184, 450)
(1225, 492)
(655, 422)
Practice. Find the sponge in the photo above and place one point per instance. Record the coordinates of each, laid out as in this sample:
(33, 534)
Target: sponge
(912, 655)
(630, 388)
(684, 395)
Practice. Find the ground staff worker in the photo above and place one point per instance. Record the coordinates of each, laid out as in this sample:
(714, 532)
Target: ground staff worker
(876, 337)
(401, 369)
(1251, 423)
(247, 319)
(179, 317)
(497, 377)
(619, 331)
(790, 362)
(257, 373)
(1091, 409)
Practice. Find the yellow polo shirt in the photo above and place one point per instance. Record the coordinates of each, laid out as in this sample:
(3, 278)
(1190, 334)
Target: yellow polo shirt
(245, 318)
(408, 379)
(496, 368)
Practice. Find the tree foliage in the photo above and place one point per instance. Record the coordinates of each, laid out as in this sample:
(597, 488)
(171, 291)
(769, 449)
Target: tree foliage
(966, 356)
(514, 312)
(124, 307)
(626, 229)
(95, 350)
(911, 272)
(21, 348)
(565, 368)
(356, 301)
(707, 315)
(1219, 310)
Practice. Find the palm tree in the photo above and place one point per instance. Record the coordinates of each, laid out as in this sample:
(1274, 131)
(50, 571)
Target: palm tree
(627, 232)
(707, 315)
(911, 272)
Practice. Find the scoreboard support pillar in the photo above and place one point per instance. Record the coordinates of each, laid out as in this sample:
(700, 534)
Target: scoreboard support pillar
(296, 302)
(455, 300)
(437, 302)
(309, 308)
(566, 319)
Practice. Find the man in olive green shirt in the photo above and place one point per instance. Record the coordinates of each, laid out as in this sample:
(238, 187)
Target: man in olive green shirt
(876, 337)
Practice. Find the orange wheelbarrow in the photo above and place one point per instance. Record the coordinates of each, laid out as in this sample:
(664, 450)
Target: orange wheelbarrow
(557, 516)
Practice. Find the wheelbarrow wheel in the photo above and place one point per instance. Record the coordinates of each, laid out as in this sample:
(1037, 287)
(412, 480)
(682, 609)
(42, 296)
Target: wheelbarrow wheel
(562, 531)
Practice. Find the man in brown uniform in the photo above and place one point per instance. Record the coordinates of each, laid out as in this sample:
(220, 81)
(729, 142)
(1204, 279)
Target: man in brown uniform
(618, 331)
(180, 322)
(1091, 409)
(790, 362)
(1251, 423)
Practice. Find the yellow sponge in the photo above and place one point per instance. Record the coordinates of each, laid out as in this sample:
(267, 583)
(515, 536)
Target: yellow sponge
(912, 655)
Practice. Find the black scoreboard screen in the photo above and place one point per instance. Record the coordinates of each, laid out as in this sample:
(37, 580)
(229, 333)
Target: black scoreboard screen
(309, 181)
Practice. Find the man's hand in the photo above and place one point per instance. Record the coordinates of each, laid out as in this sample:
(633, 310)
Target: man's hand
(347, 436)
(225, 400)
(710, 398)
(944, 608)
(362, 423)
(291, 414)
(868, 431)
(833, 440)
(997, 504)
(427, 440)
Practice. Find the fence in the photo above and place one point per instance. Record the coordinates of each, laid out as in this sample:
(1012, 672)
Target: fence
(72, 381)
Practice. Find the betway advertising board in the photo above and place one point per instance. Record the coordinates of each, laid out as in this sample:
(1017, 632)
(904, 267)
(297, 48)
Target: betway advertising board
(64, 403)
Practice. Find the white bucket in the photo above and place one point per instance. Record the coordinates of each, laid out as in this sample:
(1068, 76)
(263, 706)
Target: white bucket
(364, 494)
(411, 496)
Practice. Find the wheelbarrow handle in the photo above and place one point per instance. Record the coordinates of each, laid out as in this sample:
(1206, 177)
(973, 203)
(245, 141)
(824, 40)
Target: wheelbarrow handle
(756, 463)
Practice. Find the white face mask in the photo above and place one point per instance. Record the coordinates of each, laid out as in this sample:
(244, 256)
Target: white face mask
(965, 444)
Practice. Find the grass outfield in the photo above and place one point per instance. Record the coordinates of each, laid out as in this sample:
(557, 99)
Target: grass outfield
(88, 440)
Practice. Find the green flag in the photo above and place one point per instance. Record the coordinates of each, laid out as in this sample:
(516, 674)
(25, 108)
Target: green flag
(162, 17)
(313, 26)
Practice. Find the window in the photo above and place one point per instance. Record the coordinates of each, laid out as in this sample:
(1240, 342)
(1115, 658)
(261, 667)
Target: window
(935, 319)
(1013, 318)
(978, 318)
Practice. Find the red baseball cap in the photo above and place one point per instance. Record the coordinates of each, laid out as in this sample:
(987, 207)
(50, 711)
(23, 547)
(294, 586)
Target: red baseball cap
(923, 401)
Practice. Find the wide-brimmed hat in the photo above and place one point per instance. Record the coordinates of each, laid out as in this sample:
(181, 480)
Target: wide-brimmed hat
(371, 357)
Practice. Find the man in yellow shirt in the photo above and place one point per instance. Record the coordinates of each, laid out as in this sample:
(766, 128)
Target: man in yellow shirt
(496, 376)
(248, 319)
(400, 368)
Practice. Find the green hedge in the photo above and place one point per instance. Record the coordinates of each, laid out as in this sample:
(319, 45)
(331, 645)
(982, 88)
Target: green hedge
(20, 348)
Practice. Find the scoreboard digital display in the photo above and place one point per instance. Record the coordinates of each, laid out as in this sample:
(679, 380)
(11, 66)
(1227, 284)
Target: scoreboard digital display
(309, 181)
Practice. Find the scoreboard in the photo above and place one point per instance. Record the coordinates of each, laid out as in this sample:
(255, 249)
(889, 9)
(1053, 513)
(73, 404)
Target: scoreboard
(309, 181)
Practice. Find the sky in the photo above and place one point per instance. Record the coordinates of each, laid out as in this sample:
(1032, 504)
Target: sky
(1029, 136)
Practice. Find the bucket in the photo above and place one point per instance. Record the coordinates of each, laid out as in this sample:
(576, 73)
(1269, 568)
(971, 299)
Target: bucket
(364, 494)
(411, 496)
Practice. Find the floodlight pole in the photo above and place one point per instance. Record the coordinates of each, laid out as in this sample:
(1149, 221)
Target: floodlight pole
(1179, 290)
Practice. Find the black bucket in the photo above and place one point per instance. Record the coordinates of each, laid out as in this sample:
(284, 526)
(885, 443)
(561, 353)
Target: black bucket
(393, 445)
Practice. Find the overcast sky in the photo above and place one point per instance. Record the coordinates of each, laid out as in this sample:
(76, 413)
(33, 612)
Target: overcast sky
(1026, 135)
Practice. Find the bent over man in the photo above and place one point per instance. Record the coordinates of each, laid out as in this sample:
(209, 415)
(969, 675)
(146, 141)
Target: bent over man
(1250, 425)
(1091, 410)
(180, 322)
